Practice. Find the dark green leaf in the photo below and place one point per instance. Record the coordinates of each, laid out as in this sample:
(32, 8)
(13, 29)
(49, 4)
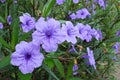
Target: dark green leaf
(47, 8)
(69, 70)
(59, 66)
(49, 71)
(4, 43)
(24, 76)
(15, 32)
(4, 62)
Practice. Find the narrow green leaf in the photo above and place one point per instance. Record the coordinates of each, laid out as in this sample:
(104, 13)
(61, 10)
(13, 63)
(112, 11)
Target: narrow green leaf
(5, 61)
(24, 76)
(2, 19)
(49, 62)
(47, 8)
(69, 70)
(49, 71)
(15, 32)
(74, 78)
(4, 43)
(25, 36)
(59, 66)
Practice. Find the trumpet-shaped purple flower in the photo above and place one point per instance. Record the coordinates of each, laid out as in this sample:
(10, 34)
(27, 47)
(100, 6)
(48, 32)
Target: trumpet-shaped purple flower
(28, 22)
(1, 25)
(118, 33)
(82, 13)
(27, 57)
(59, 2)
(48, 34)
(97, 34)
(91, 57)
(75, 1)
(2, 1)
(117, 47)
(70, 32)
(75, 68)
(9, 19)
(85, 32)
(73, 16)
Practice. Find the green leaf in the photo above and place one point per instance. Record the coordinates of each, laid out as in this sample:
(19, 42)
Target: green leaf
(15, 32)
(47, 8)
(49, 62)
(2, 19)
(49, 71)
(74, 78)
(24, 36)
(24, 76)
(4, 43)
(69, 70)
(4, 62)
(59, 66)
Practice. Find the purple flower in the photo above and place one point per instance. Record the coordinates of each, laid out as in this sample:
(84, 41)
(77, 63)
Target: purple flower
(49, 34)
(59, 2)
(102, 3)
(73, 16)
(27, 57)
(91, 57)
(1, 25)
(2, 1)
(97, 34)
(9, 19)
(118, 33)
(82, 13)
(117, 47)
(72, 49)
(28, 22)
(15, 1)
(70, 32)
(85, 32)
(75, 68)
(75, 1)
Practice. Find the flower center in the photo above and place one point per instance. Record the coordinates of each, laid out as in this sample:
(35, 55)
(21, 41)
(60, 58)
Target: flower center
(68, 32)
(48, 34)
(28, 22)
(27, 56)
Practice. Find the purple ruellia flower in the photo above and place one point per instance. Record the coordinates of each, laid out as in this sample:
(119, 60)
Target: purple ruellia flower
(9, 19)
(75, 1)
(1, 25)
(82, 13)
(27, 57)
(85, 32)
(118, 33)
(101, 3)
(49, 34)
(72, 49)
(73, 16)
(2, 1)
(28, 22)
(70, 32)
(91, 57)
(117, 47)
(75, 68)
(97, 34)
(59, 2)
(15, 1)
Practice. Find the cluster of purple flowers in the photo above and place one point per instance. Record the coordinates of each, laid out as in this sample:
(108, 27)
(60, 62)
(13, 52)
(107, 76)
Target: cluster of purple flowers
(49, 33)
(80, 14)
(59, 2)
